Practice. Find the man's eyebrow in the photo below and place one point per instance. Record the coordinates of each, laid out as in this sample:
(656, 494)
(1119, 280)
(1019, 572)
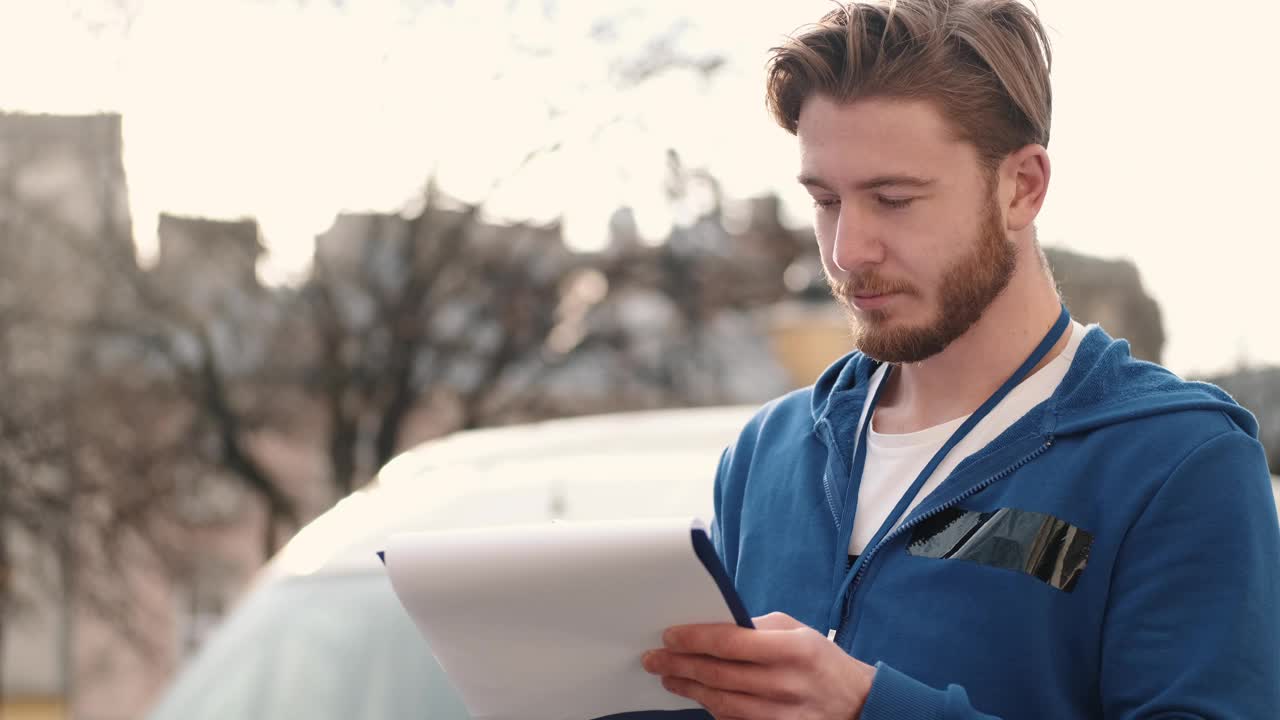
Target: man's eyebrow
(872, 183)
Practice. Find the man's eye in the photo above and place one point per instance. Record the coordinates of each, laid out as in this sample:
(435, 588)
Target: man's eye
(895, 203)
(824, 203)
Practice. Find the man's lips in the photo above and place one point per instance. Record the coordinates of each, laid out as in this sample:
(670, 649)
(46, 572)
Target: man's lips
(872, 301)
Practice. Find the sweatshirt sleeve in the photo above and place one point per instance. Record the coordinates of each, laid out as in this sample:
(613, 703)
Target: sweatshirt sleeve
(895, 695)
(1192, 625)
(724, 545)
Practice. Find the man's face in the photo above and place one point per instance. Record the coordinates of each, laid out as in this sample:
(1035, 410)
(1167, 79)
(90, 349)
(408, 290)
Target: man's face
(912, 238)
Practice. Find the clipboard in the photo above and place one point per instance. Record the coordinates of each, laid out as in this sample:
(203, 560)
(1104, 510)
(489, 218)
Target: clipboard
(548, 622)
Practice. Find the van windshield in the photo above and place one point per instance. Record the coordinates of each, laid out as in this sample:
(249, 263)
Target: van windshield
(337, 647)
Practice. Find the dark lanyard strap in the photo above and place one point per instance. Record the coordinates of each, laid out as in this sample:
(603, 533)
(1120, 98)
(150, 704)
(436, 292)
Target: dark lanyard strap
(860, 460)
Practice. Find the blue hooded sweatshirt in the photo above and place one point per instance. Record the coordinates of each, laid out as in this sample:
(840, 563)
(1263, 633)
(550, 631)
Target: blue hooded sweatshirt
(1113, 554)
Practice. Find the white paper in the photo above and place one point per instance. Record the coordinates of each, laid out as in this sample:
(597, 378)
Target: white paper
(549, 622)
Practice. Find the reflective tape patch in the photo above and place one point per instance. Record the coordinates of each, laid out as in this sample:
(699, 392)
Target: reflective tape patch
(1037, 544)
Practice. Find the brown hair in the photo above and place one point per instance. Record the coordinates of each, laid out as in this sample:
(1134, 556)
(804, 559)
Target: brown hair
(984, 63)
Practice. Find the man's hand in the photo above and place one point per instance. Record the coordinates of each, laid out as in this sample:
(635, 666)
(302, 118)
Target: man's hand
(782, 669)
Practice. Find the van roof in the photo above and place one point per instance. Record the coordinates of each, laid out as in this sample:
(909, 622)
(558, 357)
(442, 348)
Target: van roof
(603, 467)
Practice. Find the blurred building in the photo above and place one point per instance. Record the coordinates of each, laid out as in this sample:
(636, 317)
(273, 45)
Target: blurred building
(1110, 293)
(207, 262)
(383, 249)
(206, 276)
(63, 211)
(66, 175)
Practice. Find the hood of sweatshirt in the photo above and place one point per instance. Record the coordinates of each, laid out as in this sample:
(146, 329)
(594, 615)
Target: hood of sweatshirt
(1104, 385)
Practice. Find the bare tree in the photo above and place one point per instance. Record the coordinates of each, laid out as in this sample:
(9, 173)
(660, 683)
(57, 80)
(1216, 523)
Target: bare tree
(437, 308)
(200, 352)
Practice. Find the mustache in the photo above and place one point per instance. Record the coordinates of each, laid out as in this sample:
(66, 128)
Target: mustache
(867, 284)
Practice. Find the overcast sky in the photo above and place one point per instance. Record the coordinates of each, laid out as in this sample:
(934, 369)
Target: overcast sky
(1164, 145)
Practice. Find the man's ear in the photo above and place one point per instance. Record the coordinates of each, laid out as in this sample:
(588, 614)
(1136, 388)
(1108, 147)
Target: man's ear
(1024, 182)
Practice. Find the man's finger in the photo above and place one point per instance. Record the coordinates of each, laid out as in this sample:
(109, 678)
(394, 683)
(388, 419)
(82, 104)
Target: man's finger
(730, 642)
(724, 704)
(731, 675)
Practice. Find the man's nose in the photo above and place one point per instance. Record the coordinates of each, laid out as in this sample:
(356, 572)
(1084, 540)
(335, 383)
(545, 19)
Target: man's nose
(857, 242)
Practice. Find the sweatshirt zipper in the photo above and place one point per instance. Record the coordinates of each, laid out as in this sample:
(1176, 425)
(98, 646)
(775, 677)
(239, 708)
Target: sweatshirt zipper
(843, 633)
(826, 475)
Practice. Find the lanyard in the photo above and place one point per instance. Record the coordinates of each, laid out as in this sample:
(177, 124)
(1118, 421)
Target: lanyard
(860, 460)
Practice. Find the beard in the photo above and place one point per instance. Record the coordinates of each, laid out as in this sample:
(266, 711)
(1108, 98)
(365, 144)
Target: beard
(967, 289)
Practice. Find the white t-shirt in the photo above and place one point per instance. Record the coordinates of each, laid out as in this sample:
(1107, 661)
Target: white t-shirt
(894, 461)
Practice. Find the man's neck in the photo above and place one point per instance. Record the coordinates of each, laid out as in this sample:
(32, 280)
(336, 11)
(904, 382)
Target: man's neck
(956, 381)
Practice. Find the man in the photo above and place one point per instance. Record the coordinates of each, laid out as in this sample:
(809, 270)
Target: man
(987, 510)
